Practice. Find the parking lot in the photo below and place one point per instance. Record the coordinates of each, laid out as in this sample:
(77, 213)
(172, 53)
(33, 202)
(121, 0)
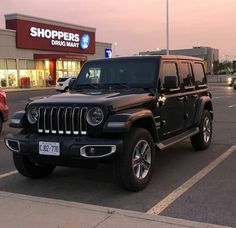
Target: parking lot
(208, 197)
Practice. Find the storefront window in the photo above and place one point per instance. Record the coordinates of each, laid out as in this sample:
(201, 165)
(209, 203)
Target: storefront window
(11, 64)
(65, 65)
(12, 78)
(32, 72)
(8, 73)
(66, 68)
(8, 78)
(46, 64)
(23, 64)
(59, 65)
(69, 65)
(3, 64)
(40, 78)
(74, 66)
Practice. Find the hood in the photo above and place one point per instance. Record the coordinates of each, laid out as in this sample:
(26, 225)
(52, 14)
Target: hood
(112, 99)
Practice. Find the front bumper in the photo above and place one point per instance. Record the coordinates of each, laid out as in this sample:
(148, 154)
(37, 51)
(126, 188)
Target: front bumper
(73, 149)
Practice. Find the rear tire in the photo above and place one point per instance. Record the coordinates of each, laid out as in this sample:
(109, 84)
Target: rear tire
(135, 164)
(202, 140)
(29, 169)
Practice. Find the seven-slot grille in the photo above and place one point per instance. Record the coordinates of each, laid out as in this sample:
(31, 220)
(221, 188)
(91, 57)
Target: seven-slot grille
(62, 120)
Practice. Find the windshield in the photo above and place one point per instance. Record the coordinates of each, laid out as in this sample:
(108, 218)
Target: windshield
(124, 73)
(61, 79)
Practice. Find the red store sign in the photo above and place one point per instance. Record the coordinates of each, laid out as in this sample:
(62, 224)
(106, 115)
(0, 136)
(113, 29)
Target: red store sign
(34, 35)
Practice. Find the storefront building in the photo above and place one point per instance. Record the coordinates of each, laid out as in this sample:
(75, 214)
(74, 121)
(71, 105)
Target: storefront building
(36, 52)
(208, 54)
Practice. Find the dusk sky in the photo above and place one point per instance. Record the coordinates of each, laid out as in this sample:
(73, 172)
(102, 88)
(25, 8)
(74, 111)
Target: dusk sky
(138, 25)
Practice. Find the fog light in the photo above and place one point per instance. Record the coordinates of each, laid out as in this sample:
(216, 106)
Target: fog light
(92, 150)
(97, 151)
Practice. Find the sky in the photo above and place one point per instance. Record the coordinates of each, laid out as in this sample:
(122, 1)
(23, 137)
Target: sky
(140, 25)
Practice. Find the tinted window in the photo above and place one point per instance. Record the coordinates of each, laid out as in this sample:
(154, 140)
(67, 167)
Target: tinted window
(187, 74)
(199, 74)
(136, 72)
(168, 69)
(62, 79)
(93, 74)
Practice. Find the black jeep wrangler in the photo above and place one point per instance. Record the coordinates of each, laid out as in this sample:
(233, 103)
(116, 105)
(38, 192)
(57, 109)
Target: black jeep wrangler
(121, 110)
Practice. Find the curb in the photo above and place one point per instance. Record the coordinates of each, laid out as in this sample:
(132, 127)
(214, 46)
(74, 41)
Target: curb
(106, 217)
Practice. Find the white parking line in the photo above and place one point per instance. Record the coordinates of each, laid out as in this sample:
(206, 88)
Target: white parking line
(163, 204)
(217, 97)
(231, 106)
(8, 174)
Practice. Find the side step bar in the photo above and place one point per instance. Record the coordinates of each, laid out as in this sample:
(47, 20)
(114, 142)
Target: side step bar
(169, 142)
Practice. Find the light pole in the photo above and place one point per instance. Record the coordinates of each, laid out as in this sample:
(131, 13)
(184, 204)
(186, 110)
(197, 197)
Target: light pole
(115, 44)
(167, 27)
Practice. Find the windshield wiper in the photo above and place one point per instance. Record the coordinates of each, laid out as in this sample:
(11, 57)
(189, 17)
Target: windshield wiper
(151, 90)
(123, 85)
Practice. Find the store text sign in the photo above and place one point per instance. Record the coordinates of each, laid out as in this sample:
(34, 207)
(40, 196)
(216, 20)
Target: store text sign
(34, 35)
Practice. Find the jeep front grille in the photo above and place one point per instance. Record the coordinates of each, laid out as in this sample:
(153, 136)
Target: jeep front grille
(62, 120)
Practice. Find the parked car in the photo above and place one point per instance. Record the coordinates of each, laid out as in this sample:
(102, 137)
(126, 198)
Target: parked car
(63, 84)
(3, 109)
(231, 79)
(137, 106)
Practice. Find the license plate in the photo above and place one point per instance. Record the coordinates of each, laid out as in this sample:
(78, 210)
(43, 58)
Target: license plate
(49, 148)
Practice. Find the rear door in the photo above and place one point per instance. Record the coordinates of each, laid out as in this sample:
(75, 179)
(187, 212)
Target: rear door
(170, 102)
(189, 91)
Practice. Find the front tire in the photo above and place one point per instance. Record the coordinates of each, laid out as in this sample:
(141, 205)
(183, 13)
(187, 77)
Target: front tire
(135, 164)
(29, 169)
(202, 140)
(66, 89)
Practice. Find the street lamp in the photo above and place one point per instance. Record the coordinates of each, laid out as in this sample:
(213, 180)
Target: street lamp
(167, 27)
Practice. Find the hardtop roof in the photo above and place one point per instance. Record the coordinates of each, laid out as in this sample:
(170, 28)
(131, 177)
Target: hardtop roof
(163, 57)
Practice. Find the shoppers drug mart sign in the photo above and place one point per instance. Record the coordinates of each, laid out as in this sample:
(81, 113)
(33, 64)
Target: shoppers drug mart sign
(57, 38)
(40, 36)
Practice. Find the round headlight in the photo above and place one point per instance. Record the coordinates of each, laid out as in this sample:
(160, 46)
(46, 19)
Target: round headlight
(95, 116)
(33, 115)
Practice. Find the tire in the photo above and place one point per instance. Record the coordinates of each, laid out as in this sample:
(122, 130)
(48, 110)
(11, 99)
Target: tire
(66, 89)
(29, 169)
(202, 140)
(134, 170)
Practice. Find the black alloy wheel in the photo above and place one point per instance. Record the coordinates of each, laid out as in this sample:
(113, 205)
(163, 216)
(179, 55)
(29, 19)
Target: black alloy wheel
(135, 164)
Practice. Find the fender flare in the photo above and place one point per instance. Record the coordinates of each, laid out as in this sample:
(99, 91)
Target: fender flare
(203, 103)
(123, 121)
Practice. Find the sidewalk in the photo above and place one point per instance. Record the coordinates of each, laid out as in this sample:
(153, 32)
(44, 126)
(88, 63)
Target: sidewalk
(27, 211)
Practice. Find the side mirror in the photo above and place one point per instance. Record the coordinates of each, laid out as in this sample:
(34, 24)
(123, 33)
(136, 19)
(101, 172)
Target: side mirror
(71, 83)
(170, 82)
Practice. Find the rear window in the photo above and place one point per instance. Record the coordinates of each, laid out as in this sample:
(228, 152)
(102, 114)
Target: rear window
(187, 73)
(199, 74)
(62, 79)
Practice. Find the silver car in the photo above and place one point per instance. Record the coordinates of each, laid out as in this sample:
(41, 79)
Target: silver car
(63, 84)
